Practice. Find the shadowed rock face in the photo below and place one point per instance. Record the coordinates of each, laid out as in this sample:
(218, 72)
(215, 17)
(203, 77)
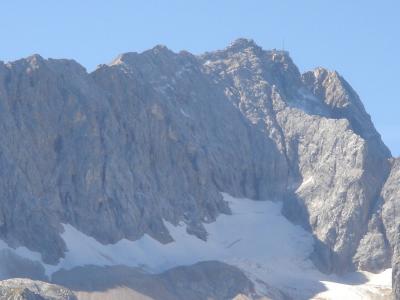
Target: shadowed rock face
(115, 152)
(205, 280)
(13, 266)
(158, 135)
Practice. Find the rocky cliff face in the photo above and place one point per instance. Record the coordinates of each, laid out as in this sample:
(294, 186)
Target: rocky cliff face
(115, 152)
(390, 219)
(337, 160)
(156, 137)
(396, 267)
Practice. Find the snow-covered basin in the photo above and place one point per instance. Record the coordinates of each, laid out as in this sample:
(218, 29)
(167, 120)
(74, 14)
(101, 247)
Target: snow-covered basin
(256, 238)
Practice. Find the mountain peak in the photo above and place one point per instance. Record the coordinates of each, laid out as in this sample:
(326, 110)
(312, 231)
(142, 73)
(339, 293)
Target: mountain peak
(122, 58)
(242, 43)
(130, 57)
(35, 61)
(35, 57)
(160, 48)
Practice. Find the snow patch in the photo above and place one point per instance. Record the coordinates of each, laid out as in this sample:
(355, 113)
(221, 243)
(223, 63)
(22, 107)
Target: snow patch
(256, 231)
(377, 286)
(256, 238)
(22, 252)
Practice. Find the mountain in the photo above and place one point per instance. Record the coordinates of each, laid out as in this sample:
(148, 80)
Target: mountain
(149, 162)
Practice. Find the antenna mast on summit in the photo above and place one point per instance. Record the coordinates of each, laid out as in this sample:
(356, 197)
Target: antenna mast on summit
(283, 44)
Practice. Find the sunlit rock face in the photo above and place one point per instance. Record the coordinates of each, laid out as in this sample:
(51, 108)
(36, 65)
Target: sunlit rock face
(337, 160)
(396, 267)
(25, 289)
(390, 213)
(155, 137)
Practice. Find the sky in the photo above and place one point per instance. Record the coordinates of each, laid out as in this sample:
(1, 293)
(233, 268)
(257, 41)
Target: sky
(358, 38)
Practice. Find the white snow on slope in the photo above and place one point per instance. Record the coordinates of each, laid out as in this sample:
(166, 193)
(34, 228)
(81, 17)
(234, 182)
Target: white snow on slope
(255, 238)
(348, 287)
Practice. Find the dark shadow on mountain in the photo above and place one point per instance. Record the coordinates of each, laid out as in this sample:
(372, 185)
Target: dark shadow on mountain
(13, 266)
(355, 278)
(205, 280)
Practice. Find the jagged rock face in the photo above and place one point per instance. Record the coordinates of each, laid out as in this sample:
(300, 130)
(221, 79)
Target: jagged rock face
(381, 241)
(157, 136)
(25, 289)
(338, 161)
(396, 267)
(390, 217)
(378, 244)
(146, 139)
(343, 102)
(374, 252)
(336, 189)
(391, 203)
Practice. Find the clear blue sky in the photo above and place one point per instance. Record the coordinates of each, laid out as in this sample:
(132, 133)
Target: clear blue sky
(359, 38)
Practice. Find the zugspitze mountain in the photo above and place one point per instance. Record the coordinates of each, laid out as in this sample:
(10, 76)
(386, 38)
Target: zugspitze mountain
(162, 175)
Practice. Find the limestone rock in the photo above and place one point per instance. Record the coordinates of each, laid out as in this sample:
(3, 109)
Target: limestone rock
(337, 160)
(116, 152)
(396, 267)
(156, 136)
(25, 289)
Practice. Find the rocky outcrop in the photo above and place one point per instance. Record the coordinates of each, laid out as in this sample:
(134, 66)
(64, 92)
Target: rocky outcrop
(381, 243)
(25, 289)
(396, 267)
(390, 216)
(391, 203)
(343, 103)
(337, 160)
